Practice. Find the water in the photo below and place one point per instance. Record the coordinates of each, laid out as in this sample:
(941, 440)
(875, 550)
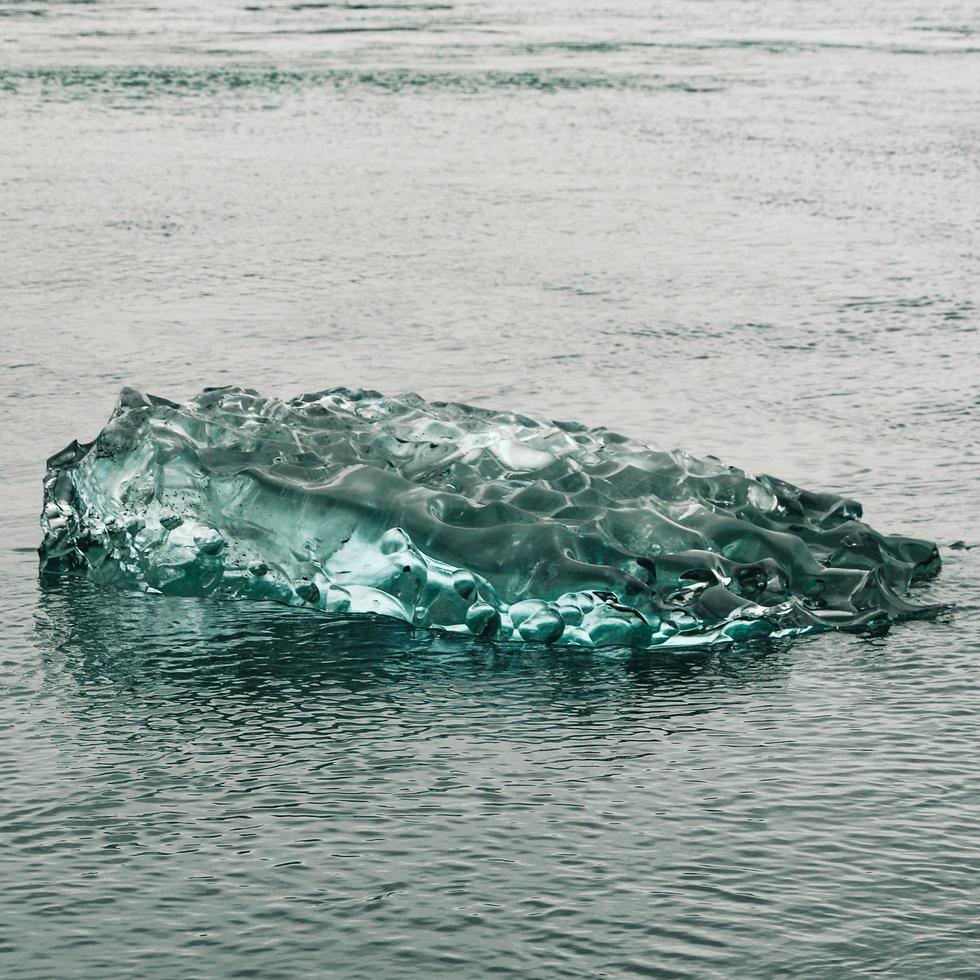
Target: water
(738, 228)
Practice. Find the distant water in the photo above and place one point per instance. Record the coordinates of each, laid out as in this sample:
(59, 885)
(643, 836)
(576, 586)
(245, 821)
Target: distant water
(744, 229)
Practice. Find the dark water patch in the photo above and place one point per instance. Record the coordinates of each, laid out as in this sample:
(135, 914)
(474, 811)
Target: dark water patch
(959, 30)
(368, 6)
(937, 308)
(778, 46)
(354, 29)
(124, 86)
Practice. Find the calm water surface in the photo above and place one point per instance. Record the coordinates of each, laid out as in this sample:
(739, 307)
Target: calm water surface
(743, 228)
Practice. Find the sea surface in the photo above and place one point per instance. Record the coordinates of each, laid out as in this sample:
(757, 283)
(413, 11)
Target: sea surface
(747, 229)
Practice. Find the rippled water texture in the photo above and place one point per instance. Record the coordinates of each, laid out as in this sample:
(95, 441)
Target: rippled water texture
(745, 230)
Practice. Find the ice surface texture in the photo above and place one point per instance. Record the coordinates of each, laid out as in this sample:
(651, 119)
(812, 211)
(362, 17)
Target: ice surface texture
(464, 519)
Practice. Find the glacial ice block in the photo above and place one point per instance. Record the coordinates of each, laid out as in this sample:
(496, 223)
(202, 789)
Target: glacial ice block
(464, 519)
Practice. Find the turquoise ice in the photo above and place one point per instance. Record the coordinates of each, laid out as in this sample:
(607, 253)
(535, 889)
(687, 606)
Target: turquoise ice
(463, 519)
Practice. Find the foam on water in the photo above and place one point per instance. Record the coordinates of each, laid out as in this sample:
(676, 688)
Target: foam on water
(469, 520)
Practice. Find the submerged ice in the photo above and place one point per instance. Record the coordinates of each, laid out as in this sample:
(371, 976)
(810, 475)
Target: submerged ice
(464, 519)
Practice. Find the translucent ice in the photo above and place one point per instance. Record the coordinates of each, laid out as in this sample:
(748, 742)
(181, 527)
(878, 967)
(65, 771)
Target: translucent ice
(463, 519)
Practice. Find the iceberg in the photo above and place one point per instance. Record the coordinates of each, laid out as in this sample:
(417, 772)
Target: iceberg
(464, 519)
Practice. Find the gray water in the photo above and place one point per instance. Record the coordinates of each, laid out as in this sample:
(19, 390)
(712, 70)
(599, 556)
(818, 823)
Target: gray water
(745, 229)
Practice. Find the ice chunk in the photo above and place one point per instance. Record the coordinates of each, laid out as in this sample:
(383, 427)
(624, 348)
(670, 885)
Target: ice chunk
(465, 519)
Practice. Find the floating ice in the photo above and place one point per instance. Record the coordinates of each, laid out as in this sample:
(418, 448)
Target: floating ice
(463, 519)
